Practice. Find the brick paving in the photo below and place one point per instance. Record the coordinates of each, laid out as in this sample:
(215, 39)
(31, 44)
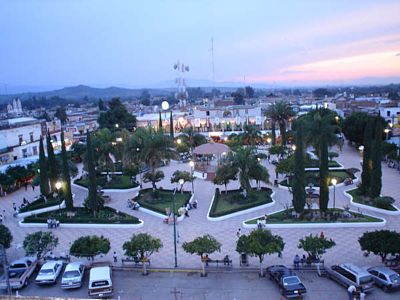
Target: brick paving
(347, 247)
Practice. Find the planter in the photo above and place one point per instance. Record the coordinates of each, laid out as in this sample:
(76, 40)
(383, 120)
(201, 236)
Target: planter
(381, 223)
(41, 210)
(372, 208)
(77, 225)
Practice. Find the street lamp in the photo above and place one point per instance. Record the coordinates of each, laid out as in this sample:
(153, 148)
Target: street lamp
(191, 164)
(294, 148)
(174, 216)
(269, 140)
(387, 132)
(117, 125)
(178, 141)
(58, 186)
(334, 182)
(165, 106)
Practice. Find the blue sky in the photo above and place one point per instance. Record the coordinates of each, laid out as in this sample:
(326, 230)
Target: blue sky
(135, 43)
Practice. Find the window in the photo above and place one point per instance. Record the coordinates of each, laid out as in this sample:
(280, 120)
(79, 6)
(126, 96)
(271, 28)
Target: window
(388, 113)
(20, 139)
(31, 136)
(381, 276)
(35, 150)
(207, 113)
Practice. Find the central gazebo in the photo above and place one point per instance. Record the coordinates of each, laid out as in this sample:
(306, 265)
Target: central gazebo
(205, 166)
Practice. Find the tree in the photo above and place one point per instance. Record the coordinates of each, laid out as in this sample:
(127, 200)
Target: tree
(51, 162)
(40, 243)
(260, 174)
(153, 177)
(160, 127)
(259, 243)
(44, 179)
(238, 97)
(354, 125)
(5, 236)
(145, 98)
(381, 242)
(367, 162)
(250, 135)
(142, 245)
(206, 244)
(298, 184)
(315, 246)
(117, 114)
(92, 202)
(321, 93)
(280, 112)
(192, 138)
(90, 246)
(100, 104)
(61, 114)
(186, 176)
(171, 126)
(249, 91)
(225, 173)
(376, 174)
(332, 155)
(65, 175)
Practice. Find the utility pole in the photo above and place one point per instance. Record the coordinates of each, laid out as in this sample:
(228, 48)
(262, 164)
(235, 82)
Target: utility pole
(3, 257)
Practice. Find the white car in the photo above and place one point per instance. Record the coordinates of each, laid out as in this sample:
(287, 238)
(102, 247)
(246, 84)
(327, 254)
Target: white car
(73, 274)
(49, 272)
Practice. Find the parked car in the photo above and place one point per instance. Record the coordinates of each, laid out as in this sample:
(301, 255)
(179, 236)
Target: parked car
(290, 285)
(385, 278)
(100, 282)
(349, 274)
(49, 272)
(19, 272)
(73, 275)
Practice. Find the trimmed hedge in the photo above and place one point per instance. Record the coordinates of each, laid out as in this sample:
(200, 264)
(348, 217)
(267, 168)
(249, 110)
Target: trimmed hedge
(247, 205)
(313, 176)
(107, 215)
(41, 203)
(146, 204)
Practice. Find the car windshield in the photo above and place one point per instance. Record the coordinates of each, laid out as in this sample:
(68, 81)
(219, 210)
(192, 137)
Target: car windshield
(365, 279)
(71, 274)
(291, 280)
(46, 271)
(394, 278)
(17, 266)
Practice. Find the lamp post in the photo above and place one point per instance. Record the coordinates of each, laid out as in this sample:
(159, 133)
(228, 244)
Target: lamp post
(387, 130)
(174, 216)
(58, 188)
(179, 141)
(191, 164)
(165, 106)
(334, 182)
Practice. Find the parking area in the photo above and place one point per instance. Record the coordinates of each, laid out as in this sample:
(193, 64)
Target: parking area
(131, 285)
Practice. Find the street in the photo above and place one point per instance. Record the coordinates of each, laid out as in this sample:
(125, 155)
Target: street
(130, 285)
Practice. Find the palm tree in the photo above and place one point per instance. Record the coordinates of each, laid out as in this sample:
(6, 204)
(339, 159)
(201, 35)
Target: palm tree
(102, 144)
(193, 139)
(280, 112)
(251, 135)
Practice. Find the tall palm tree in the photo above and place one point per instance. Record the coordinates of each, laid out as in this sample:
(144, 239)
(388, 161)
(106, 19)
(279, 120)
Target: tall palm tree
(280, 112)
(103, 146)
(192, 138)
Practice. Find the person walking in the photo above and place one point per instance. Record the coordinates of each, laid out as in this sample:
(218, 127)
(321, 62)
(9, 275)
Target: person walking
(350, 292)
(238, 233)
(296, 262)
(115, 257)
(33, 187)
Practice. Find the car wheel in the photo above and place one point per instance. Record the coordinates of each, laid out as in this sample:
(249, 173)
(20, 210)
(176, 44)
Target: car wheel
(26, 283)
(385, 288)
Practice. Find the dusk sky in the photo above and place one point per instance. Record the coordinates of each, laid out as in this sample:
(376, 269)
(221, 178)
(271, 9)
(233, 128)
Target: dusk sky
(135, 43)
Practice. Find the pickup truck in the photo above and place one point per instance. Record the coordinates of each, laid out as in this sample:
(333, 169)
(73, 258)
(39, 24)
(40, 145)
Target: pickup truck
(18, 272)
(290, 285)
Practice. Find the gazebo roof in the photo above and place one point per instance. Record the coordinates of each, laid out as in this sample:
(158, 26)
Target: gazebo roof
(211, 148)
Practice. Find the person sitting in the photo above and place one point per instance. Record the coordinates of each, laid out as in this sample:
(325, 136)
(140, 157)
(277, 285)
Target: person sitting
(188, 206)
(48, 223)
(226, 260)
(194, 203)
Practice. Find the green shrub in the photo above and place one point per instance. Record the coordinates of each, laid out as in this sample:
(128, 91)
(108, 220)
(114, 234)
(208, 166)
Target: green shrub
(384, 202)
(41, 203)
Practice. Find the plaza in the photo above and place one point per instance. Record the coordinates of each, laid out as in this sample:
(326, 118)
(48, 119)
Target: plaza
(347, 247)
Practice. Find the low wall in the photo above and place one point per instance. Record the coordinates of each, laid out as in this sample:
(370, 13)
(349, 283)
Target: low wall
(41, 210)
(83, 225)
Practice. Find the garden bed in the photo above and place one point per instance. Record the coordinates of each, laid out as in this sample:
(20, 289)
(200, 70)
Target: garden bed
(313, 177)
(310, 217)
(147, 199)
(107, 215)
(234, 201)
(41, 203)
(313, 163)
(117, 182)
(385, 203)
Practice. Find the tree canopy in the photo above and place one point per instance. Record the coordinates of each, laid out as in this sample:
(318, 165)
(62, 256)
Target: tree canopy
(206, 244)
(90, 246)
(5, 236)
(316, 245)
(39, 243)
(381, 242)
(117, 117)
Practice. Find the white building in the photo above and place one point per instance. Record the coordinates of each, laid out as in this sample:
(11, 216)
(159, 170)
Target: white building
(390, 114)
(19, 137)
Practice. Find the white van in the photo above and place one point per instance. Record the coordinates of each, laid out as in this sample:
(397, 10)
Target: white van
(100, 282)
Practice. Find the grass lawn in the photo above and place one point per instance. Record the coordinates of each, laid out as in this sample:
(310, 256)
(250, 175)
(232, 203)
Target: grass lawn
(117, 182)
(147, 199)
(284, 217)
(370, 202)
(233, 201)
(313, 177)
(107, 215)
(41, 203)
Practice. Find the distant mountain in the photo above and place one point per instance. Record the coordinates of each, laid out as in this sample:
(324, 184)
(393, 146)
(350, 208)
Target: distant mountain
(81, 91)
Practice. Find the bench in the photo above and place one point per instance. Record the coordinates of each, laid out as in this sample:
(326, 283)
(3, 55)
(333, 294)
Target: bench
(312, 266)
(224, 262)
(134, 260)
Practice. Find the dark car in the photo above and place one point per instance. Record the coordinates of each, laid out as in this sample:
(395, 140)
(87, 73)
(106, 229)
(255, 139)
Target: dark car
(290, 285)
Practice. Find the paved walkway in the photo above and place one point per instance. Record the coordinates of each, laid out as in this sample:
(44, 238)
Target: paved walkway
(347, 247)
